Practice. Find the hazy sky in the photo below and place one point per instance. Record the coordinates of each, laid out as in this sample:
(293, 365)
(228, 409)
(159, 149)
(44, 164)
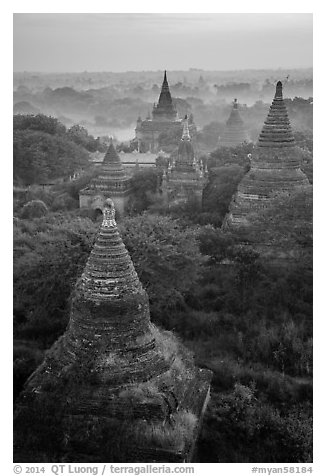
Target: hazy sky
(58, 42)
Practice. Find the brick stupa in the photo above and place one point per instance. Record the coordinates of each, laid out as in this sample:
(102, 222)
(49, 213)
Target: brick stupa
(112, 182)
(185, 178)
(275, 166)
(235, 132)
(113, 387)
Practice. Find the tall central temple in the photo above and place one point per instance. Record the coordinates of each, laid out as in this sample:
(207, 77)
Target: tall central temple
(164, 118)
(113, 387)
(275, 166)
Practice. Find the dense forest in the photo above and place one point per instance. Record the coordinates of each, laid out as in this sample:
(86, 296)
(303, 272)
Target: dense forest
(247, 321)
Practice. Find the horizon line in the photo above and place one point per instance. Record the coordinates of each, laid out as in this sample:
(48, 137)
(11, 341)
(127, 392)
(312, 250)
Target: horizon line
(192, 69)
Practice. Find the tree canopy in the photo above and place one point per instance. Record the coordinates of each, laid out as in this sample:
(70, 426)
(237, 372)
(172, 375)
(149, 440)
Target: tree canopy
(43, 151)
(222, 184)
(166, 256)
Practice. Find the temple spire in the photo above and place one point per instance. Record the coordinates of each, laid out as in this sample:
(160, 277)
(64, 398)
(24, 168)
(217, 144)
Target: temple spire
(108, 214)
(277, 131)
(111, 156)
(109, 273)
(164, 110)
(165, 96)
(185, 133)
(279, 90)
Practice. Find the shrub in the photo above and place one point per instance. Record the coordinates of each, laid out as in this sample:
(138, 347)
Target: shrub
(64, 202)
(34, 209)
(26, 359)
(240, 428)
(176, 434)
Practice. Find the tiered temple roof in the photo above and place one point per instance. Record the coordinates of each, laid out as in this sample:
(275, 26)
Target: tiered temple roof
(275, 165)
(113, 381)
(185, 159)
(235, 132)
(164, 119)
(185, 178)
(113, 179)
(165, 109)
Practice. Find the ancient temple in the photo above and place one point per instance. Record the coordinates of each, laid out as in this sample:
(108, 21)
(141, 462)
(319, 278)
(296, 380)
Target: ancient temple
(235, 132)
(111, 182)
(164, 118)
(275, 166)
(164, 110)
(185, 178)
(113, 387)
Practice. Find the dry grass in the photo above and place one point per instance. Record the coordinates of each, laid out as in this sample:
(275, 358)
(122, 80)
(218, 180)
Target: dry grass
(173, 435)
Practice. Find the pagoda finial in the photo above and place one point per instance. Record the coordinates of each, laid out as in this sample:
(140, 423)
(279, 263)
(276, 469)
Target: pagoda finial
(111, 155)
(185, 133)
(165, 84)
(279, 90)
(108, 214)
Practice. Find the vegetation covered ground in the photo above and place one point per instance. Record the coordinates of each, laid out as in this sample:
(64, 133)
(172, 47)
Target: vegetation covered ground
(249, 322)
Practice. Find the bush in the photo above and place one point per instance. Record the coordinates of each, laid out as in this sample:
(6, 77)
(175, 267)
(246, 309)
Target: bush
(240, 428)
(222, 184)
(26, 360)
(166, 257)
(49, 253)
(34, 209)
(64, 202)
(176, 434)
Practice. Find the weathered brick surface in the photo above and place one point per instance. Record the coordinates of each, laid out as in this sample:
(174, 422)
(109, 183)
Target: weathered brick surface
(275, 166)
(110, 370)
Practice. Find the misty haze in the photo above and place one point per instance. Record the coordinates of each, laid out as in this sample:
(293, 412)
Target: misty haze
(163, 170)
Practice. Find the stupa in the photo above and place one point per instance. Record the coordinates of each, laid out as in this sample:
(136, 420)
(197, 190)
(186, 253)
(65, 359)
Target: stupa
(164, 118)
(113, 387)
(185, 178)
(275, 166)
(111, 182)
(235, 132)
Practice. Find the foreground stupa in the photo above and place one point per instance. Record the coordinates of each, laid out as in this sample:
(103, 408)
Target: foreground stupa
(113, 387)
(275, 167)
(235, 132)
(111, 182)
